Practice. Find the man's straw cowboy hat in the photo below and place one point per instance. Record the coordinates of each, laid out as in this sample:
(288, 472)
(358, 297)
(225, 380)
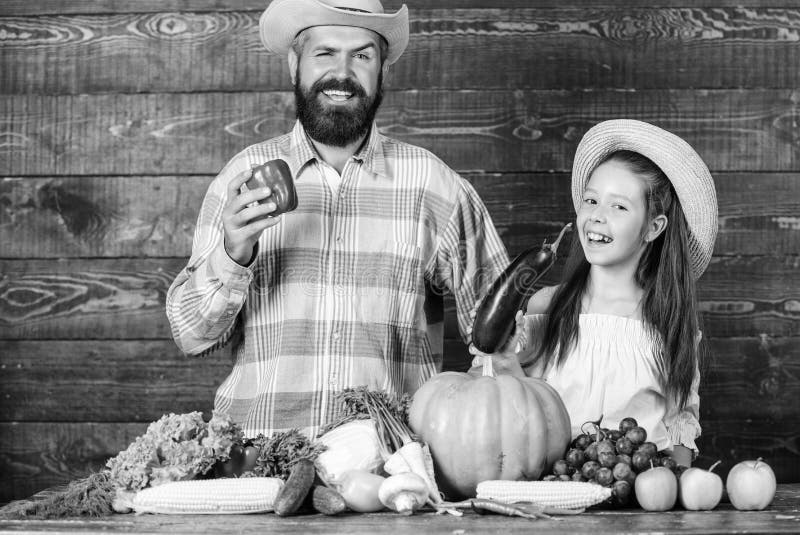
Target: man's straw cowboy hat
(284, 19)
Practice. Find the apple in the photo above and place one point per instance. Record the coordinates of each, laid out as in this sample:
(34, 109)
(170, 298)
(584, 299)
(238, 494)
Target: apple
(751, 485)
(656, 489)
(700, 490)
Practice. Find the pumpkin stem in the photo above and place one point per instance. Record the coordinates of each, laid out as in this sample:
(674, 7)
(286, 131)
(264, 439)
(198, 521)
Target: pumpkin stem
(488, 368)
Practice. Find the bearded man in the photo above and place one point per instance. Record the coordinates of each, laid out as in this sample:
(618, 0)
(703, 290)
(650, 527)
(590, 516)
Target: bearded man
(345, 290)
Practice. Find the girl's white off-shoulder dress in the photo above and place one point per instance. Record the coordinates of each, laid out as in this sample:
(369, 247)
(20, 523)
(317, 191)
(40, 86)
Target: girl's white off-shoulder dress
(612, 372)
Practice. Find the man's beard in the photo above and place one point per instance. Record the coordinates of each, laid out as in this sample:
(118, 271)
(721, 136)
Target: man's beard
(336, 125)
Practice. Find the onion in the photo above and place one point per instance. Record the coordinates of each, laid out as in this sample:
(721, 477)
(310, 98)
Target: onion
(351, 446)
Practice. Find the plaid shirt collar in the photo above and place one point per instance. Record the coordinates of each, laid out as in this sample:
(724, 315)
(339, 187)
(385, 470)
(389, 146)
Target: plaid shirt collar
(371, 153)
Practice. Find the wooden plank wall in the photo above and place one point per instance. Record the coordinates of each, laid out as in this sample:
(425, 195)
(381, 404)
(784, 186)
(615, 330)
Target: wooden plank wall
(114, 116)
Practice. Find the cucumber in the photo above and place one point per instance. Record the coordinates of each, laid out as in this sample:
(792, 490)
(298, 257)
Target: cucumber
(291, 496)
(327, 501)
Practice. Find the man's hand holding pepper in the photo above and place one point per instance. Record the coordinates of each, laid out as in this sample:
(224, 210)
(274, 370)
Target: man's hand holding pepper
(242, 221)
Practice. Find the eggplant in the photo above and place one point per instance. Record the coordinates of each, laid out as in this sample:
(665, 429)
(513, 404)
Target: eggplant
(494, 319)
(276, 175)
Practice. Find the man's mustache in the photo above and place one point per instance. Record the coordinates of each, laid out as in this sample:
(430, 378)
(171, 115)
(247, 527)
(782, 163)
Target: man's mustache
(348, 85)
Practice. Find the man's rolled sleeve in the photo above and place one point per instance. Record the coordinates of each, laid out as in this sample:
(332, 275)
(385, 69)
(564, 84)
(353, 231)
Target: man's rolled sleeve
(205, 299)
(471, 254)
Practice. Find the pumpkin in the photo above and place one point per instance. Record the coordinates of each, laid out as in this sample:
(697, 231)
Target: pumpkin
(488, 427)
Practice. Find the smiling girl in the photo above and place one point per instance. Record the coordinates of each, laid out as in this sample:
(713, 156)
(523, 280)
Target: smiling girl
(619, 336)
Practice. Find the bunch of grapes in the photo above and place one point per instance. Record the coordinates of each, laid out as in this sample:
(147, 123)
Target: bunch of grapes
(612, 458)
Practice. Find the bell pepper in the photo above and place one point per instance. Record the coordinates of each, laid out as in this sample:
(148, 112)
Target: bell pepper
(275, 175)
(242, 458)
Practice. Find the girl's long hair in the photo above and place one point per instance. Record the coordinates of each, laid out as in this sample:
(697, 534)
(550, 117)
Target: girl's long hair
(669, 304)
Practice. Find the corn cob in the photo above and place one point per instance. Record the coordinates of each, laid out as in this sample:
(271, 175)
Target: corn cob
(563, 494)
(210, 496)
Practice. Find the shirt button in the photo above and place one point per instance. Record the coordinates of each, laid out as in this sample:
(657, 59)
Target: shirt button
(339, 239)
(335, 335)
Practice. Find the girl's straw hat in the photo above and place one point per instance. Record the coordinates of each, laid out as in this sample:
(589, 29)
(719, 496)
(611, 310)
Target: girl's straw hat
(677, 159)
(284, 19)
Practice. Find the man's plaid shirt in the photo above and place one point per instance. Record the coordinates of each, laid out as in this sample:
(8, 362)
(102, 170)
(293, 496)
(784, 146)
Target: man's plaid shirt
(345, 291)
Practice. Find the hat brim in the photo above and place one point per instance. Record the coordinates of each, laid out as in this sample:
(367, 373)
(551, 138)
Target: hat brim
(284, 19)
(675, 157)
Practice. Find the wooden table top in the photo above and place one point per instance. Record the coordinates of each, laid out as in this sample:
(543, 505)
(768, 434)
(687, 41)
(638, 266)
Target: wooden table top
(783, 516)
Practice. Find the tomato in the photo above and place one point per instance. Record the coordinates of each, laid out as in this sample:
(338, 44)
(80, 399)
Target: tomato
(249, 458)
(230, 467)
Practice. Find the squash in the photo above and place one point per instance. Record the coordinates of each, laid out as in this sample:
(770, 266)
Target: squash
(489, 427)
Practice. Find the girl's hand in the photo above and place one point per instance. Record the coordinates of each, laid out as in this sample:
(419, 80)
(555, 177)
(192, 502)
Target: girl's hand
(682, 455)
(517, 342)
(242, 223)
(505, 360)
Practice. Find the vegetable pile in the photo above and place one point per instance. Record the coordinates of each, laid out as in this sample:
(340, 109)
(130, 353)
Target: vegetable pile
(369, 460)
(177, 447)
